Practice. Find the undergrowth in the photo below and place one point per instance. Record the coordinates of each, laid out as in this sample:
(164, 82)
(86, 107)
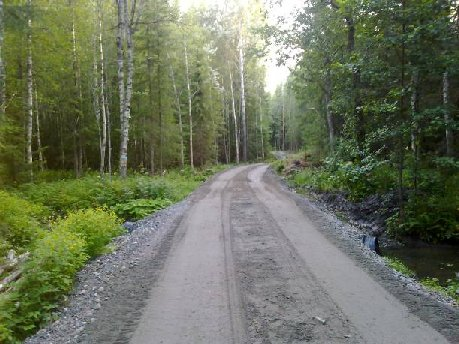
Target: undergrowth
(430, 201)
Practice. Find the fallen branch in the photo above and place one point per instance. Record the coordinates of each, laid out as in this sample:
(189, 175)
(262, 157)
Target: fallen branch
(13, 263)
(10, 278)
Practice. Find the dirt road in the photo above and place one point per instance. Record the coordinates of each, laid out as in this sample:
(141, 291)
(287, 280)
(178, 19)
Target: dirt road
(245, 261)
(247, 266)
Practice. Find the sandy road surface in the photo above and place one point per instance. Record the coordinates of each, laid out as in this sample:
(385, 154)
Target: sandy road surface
(247, 266)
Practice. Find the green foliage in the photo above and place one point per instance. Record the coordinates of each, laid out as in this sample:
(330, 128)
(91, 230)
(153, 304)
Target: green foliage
(358, 180)
(48, 275)
(20, 222)
(89, 192)
(399, 266)
(433, 214)
(95, 226)
(450, 289)
(140, 208)
(278, 166)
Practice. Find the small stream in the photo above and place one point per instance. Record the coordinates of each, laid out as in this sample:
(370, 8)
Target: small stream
(441, 262)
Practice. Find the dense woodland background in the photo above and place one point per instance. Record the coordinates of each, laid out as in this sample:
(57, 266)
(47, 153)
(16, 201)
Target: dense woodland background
(89, 84)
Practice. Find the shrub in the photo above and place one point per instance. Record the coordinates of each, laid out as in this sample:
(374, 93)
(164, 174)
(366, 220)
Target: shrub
(48, 275)
(19, 222)
(89, 192)
(140, 208)
(95, 226)
(450, 289)
(432, 215)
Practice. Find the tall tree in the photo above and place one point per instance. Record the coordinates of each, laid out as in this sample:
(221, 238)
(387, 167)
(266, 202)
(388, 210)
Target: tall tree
(29, 89)
(2, 65)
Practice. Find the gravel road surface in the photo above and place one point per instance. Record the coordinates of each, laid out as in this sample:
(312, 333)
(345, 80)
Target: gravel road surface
(243, 260)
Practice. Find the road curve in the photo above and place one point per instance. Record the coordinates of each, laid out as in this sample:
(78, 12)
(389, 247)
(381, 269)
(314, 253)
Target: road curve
(247, 265)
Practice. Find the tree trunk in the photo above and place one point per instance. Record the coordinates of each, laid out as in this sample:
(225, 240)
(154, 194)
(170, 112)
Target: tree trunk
(102, 98)
(179, 113)
(78, 110)
(39, 147)
(243, 101)
(283, 118)
(329, 112)
(225, 131)
(161, 124)
(109, 135)
(236, 129)
(29, 89)
(261, 130)
(120, 62)
(150, 103)
(125, 90)
(401, 138)
(2, 67)
(129, 84)
(96, 100)
(415, 126)
(190, 117)
(447, 117)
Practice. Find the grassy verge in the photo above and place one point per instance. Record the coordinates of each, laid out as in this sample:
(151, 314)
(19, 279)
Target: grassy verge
(63, 224)
(450, 289)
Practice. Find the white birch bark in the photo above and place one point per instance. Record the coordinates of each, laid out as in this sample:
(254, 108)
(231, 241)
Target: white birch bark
(243, 101)
(283, 118)
(121, 86)
(190, 116)
(103, 108)
(39, 146)
(2, 67)
(77, 78)
(29, 89)
(261, 129)
(128, 29)
(236, 129)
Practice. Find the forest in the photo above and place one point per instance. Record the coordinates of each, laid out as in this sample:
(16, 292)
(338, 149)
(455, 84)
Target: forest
(373, 101)
(111, 110)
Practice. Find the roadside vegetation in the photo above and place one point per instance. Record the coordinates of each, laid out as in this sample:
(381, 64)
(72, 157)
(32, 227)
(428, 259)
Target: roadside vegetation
(429, 210)
(449, 289)
(50, 230)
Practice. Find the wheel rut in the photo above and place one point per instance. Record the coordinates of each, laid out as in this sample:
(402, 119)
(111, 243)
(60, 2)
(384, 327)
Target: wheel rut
(283, 301)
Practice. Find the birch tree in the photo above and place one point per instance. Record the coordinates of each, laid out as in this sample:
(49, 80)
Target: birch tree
(2, 66)
(190, 105)
(243, 100)
(29, 89)
(125, 45)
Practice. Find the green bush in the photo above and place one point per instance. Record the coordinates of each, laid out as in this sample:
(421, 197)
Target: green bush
(140, 208)
(450, 289)
(19, 222)
(433, 214)
(90, 192)
(95, 226)
(48, 275)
